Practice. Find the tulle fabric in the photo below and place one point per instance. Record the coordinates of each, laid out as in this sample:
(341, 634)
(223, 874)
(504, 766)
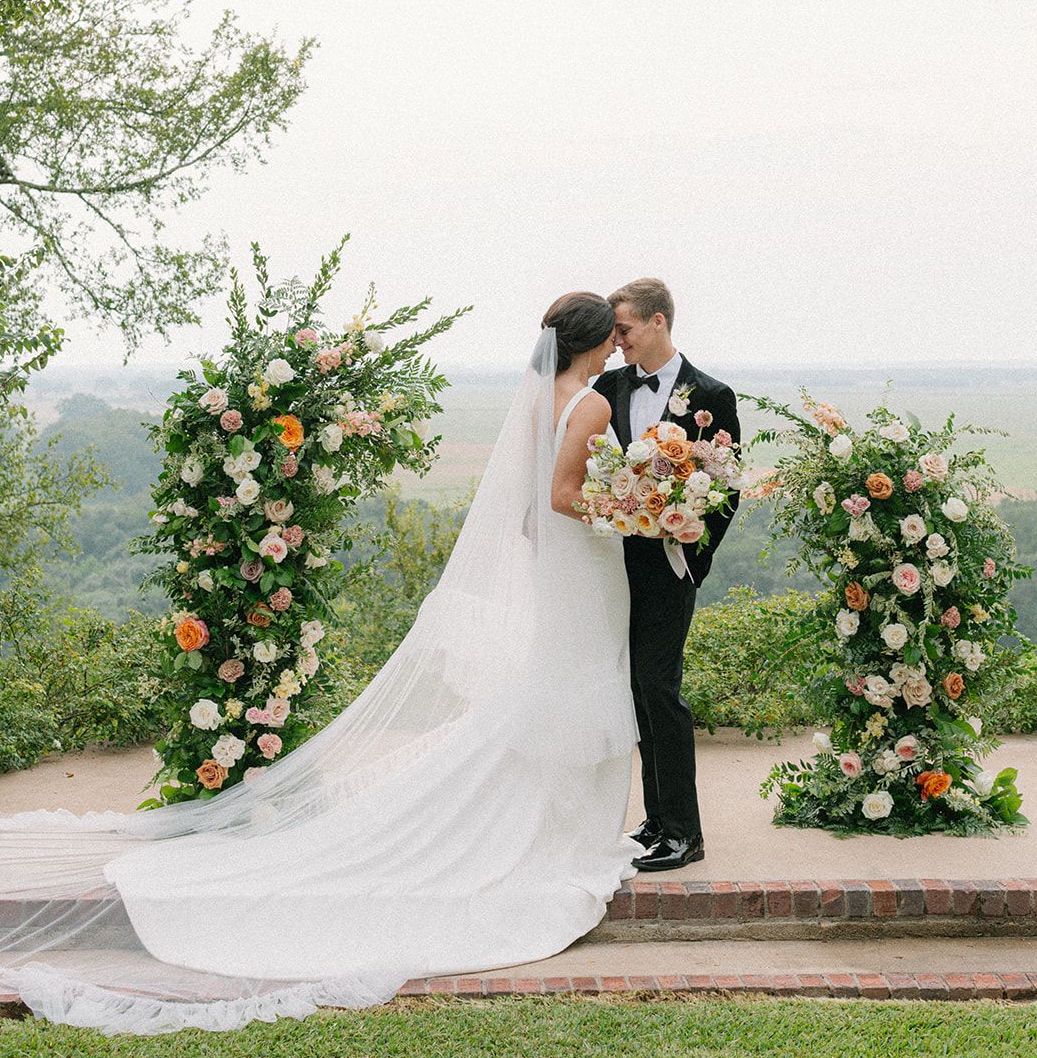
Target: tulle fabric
(464, 813)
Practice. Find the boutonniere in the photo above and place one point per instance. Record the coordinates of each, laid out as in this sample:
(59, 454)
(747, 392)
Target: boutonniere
(679, 400)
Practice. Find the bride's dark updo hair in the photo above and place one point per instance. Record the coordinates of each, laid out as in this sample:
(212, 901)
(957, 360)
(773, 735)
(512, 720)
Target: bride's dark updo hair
(581, 321)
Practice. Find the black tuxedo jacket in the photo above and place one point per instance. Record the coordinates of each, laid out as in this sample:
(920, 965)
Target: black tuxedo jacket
(707, 394)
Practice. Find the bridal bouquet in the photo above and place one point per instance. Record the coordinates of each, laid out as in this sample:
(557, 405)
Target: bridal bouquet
(267, 448)
(664, 485)
(900, 522)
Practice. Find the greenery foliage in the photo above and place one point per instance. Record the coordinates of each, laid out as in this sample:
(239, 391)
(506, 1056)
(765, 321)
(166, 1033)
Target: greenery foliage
(108, 119)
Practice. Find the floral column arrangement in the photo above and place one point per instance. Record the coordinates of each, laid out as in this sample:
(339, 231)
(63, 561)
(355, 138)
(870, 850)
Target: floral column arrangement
(265, 453)
(907, 638)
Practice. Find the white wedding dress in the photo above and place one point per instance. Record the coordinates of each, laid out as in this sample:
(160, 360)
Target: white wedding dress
(464, 813)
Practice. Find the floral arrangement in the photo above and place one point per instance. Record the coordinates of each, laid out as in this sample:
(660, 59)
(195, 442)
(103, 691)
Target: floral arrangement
(266, 450)
(664, 485)
(907, 638)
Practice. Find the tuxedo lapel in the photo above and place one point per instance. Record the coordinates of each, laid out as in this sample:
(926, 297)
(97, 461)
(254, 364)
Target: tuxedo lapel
(685, 374)
(623, 409)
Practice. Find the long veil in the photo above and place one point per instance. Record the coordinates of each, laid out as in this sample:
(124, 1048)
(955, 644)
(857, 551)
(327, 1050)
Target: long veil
(409, 837)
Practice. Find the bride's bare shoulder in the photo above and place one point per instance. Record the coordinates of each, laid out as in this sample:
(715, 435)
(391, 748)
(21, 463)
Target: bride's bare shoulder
(592, 413)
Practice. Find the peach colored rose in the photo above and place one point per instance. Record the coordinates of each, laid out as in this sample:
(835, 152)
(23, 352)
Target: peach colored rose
(651, 434)
(856, 597)
(281, 600)
(259, 616)
(673, 520)
(691, 533)
(879, 486)
(230, 420)
(655, 503)
(675, 451)
(269, 745)
(231, 670)
(954, 685)
(293, 434)
(211, 774)
(933, 783)
(191, 634)
(683, 471)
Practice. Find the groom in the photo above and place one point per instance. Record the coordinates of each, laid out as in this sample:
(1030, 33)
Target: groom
(662, 593)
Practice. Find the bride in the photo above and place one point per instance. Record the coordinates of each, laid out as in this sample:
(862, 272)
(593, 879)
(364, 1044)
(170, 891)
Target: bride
(464, 813)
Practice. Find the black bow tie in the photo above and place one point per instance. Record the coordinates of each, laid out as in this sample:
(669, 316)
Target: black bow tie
(637, 381)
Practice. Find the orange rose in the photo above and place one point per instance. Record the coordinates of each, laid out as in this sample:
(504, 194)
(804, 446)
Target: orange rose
(259, 616)
(293, 434)
(954, 685)
(933, 783)
(191, 634)
(856, 597)
(675, 451)
(651, 434)
(655, 503)
(879, 486)
(683, 471)
(211, 774)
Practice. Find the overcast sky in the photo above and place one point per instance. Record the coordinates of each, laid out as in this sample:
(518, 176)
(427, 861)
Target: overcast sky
(831, 182)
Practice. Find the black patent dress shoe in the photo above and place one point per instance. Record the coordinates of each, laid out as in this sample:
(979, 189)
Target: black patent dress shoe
(647, 834)
(667, 854)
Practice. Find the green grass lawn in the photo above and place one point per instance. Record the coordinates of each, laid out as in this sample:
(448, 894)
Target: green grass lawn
(541, 1027)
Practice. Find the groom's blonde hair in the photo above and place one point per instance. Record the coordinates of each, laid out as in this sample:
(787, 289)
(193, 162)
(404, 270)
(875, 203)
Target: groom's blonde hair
(646, 297)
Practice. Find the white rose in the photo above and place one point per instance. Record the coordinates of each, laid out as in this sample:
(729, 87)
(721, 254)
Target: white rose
(955, 509)
(313, 561)
(936, 546)
(374, 341)
(677, 405)
(934, 467)
(265, 651)
(699, 483)
(228, 750)
(639, 451)
(983, 783)
(822, 742)
(192, 472)
(278, 372)
(877, 691)
(309, 662)
(912, 528)
(862, 528)
(917, 692)
(877, 805)
(886, 762)
(623, 482)
(324, 478)
(847, 622)
(841, 446)
(894, 431)
(249, 460)
(205, 581)
(602, 527)
(942, 574)
(311, 633)
(714, 498)
(279, 510)
(664, 488)
(975, 723)
(247, 491)
(894, 636)
(330, 437)
(670, 431)
(183, 510)
(205, 714)
(213, 401)
(824, 497)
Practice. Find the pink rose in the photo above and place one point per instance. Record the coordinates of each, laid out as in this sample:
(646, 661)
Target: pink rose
(272, 546)
(269, 745)
(281, 600)
(213, 401)
(722, 439)
(231, 670)
(277, 709)
(703, 419)
(692, 533)
(328, 360)
(290, 467)
(856, 505)
(989, 568)
(673, 520)
(906, 578)
(850, 765)
(230, 420)
(251, 569)
(306, 336)
(907, 748)
(951, 617)
(293, 535)
(254, 715)
(913, 481)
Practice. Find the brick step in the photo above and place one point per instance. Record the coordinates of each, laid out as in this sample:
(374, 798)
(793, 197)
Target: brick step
(816, 909)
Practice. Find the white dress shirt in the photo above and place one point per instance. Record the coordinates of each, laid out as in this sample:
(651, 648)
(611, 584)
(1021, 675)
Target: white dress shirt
(647, 407)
